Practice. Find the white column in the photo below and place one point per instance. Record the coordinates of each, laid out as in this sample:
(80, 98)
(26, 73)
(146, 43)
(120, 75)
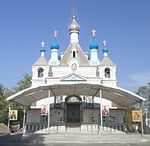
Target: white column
(141, 120)
(101, 116)
(24, 118)
(48, 125)
(9, 117)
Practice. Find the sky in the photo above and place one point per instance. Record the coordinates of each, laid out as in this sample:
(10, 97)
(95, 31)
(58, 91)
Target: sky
(124, 24)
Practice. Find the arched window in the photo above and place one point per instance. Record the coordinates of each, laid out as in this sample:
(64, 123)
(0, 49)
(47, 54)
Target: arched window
(97, 72)
(74, 54)
(50, 73)
(107, 72)
(40, 72)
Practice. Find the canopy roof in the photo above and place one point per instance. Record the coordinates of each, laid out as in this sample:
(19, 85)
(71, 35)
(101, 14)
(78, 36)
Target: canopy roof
(118, 95)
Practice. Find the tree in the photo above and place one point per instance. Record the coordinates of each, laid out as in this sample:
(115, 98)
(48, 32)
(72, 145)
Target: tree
(24, 83)
(21, 85)
(144, 91)
(4, 93)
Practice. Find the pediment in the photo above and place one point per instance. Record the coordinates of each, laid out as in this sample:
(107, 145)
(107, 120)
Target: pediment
(73, 77)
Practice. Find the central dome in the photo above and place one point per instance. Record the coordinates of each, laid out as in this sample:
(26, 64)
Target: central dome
(74, 26)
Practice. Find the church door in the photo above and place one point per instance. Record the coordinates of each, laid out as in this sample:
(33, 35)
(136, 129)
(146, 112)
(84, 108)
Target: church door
(73, 113)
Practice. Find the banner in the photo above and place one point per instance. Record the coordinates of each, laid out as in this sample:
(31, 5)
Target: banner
(105, 110)
(44, 110)
(136, 115)
(13, 115)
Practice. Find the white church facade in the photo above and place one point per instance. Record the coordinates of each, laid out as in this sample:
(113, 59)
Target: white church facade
(74, 89)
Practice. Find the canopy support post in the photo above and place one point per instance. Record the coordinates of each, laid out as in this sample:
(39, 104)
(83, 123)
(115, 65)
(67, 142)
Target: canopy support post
(49, 111)
(24, 119)
(9, 117)
(101, 117)
(141, 120)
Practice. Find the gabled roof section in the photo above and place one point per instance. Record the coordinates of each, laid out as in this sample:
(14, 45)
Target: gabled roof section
(41, 61)
(106, 61)
(83, 61)
(73, 77)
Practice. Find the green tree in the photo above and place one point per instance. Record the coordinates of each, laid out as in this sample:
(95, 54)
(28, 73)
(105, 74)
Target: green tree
(144, 91)
(24, 83)
(4, 93)
(21, 85)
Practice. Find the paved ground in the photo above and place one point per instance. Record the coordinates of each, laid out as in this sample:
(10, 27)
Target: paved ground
(71, 139)
(71, 144)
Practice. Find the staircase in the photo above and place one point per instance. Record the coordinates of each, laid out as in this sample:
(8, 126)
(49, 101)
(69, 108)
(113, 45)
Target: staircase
(73, 128)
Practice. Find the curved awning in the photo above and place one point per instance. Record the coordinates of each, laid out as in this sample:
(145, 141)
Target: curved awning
(118, 95)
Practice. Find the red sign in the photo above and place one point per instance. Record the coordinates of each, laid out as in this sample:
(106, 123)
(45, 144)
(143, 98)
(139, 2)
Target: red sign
(105, 111)
(44, 110)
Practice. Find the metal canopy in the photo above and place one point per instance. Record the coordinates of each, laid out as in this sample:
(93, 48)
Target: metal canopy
(118, 95)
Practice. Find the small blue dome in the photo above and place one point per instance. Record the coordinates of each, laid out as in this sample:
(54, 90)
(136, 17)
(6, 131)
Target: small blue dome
(55, 44)
(105, 50)
(42, 50)
(93, 44)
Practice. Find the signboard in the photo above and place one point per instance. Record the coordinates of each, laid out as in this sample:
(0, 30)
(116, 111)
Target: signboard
(13, 115)
(44, 110)
(105, 110)
(136, 115)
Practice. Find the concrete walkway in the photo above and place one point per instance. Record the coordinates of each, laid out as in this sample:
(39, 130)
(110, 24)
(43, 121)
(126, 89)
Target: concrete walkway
(73, 138)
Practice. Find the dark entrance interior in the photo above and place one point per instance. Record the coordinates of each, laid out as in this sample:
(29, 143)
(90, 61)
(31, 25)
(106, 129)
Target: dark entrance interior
(73, 113)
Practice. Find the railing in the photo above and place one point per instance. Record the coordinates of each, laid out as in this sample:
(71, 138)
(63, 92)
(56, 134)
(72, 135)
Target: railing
(111, 128)
(33, 127)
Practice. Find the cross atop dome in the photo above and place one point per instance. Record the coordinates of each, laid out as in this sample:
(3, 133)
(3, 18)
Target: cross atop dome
(104, 42)
(42, 44)
(93, 33)
(55, 33)
(74, 11)
(105, 50)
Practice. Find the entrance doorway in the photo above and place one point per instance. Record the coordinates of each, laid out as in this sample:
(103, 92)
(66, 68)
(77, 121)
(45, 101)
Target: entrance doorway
(73, 113)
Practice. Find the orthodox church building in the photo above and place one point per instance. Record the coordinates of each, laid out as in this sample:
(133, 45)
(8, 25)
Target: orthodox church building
(74, 89)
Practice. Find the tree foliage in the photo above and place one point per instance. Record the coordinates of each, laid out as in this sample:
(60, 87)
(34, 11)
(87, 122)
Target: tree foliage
(4, 93)
(24, 83)
(144, 91)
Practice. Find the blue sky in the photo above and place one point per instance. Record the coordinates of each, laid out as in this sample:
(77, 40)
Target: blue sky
(125, 24)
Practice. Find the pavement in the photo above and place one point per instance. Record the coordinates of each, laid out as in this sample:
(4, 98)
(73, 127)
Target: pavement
(74, 139)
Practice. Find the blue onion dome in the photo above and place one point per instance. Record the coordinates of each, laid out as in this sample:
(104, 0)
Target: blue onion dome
(42, 50)
(93, 44)
(74, 26)
(105, 50)
(55, 44)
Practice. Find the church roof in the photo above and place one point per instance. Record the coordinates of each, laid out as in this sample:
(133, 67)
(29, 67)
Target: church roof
(83, 61)
(106, 61)
(41, 61)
